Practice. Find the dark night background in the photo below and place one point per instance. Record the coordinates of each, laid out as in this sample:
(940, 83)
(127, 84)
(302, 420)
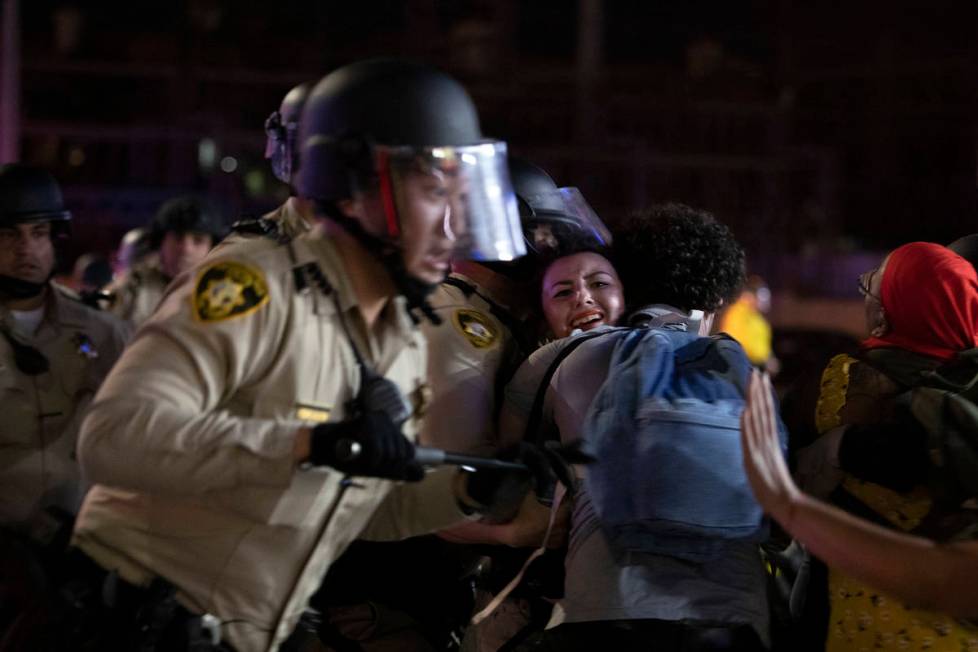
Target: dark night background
(819, 131)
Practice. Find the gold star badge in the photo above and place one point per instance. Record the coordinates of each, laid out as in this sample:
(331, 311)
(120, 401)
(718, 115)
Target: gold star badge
(228, 289)
(476, 328)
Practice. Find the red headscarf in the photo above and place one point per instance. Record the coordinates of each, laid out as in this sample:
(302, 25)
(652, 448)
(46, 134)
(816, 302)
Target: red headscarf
(930, 297)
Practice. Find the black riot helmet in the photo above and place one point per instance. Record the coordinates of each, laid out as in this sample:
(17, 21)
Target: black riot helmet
(369, 130)
(282, 129)
(29, 194)
(378, 102)
(186, 214)
(552, 216)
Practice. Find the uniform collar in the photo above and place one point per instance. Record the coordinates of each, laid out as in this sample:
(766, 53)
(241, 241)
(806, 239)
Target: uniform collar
(60, 311)
(152, 266)
(332, 266)
(325, 252)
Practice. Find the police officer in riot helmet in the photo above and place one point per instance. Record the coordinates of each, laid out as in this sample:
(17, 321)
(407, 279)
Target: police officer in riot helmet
(552, 215)
(295, 215)
(283, 366)
(499, 299)
(372, 165)
(34, 218)
(51, 345)
(181, 233)
(467, 372)
(54, 353)
(282, 132)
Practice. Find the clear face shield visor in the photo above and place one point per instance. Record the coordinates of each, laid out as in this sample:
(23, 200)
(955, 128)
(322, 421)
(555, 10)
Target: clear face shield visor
(559, 216)
(449, 202)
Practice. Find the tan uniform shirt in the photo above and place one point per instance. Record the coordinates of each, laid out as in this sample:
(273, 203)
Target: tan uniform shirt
(41, 413)
(137, 294)
(466, 352)
(190, 440)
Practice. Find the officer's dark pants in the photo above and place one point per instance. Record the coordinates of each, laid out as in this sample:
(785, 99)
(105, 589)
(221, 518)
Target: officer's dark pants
(644, 636)
(79, 606)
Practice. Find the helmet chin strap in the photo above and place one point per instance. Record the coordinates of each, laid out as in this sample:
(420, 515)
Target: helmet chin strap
(17, 288)
(413, 289)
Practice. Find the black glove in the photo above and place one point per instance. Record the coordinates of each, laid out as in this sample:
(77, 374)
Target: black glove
(501, 491)
(369, 445)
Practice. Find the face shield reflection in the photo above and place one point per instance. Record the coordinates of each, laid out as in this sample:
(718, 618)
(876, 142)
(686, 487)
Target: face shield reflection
(451, 202)
(559, 216)
(585, 217)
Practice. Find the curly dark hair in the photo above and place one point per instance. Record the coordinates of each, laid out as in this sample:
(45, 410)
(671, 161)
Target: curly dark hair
(677, 255)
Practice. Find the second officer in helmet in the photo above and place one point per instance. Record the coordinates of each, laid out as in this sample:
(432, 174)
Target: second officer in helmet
(295, 215)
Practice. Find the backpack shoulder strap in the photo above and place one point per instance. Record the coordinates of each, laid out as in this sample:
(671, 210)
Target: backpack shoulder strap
(536, 412)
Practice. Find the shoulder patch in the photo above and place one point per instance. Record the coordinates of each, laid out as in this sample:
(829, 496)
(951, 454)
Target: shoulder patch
(228, 289)
(475, 327)
(260, 226)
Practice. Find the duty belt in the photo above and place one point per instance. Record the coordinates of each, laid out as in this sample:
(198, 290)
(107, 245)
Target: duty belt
(146, 619)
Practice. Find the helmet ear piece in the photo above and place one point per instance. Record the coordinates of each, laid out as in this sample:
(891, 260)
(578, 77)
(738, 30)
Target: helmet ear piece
(354, 157)
(357, 155)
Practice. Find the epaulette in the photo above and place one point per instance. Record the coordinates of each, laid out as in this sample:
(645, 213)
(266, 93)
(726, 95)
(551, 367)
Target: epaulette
(259, 226)
(93, 299)
(66, 292)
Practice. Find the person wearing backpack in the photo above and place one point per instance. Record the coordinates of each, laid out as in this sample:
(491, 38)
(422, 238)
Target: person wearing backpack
(895, 444)
(644, 584)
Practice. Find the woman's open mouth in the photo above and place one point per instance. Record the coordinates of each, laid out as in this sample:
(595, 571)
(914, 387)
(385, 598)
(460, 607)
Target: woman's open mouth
(587, 320)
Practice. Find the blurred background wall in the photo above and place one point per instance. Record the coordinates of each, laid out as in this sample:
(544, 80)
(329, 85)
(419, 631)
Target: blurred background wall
(824, 133)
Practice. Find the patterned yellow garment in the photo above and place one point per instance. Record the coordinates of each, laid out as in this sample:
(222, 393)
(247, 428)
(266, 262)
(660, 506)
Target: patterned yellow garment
(862, 618)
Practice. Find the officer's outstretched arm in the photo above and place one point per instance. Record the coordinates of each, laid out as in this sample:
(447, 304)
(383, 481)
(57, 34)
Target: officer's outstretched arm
(156, 424)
